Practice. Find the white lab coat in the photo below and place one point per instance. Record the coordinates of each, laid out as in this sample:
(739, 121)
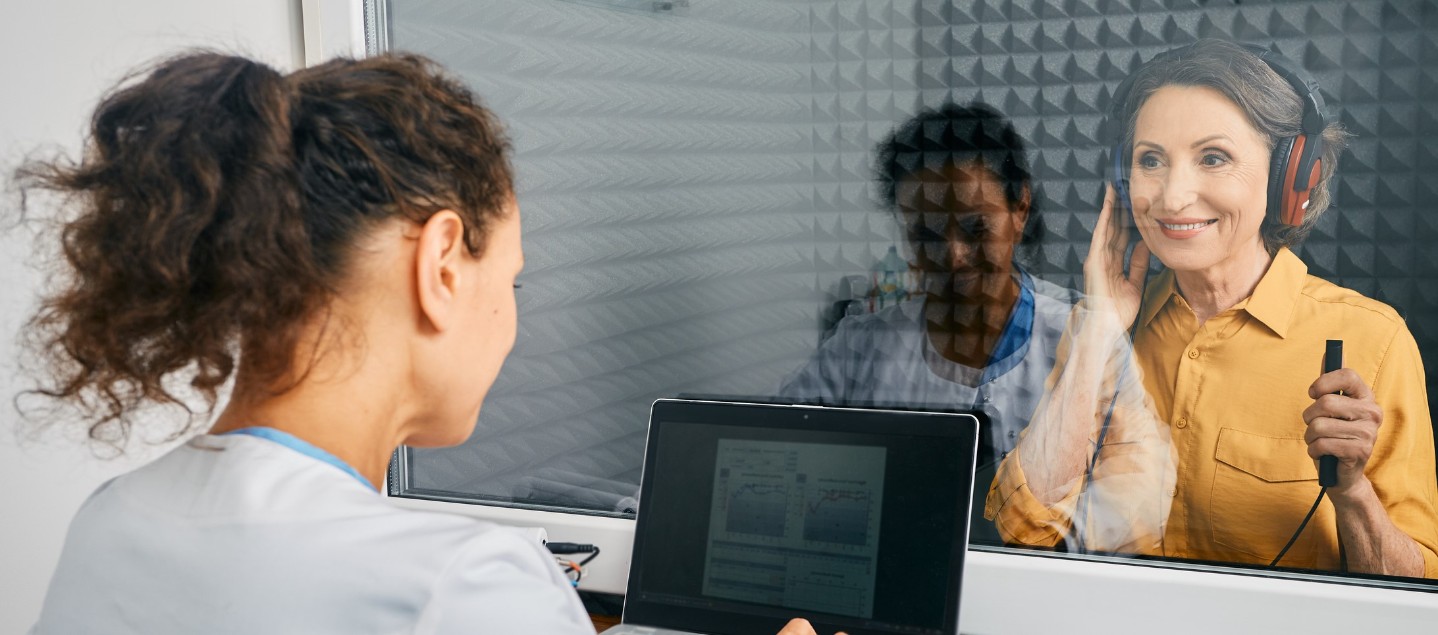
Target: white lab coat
(236, 534)
(885, 359)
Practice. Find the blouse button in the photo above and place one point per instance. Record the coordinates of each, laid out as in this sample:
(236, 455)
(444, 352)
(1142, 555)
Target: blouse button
(1193, 353)
(1182, 422)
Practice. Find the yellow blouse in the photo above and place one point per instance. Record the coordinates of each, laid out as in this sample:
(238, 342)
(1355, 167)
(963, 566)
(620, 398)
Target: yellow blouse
(1232, 392)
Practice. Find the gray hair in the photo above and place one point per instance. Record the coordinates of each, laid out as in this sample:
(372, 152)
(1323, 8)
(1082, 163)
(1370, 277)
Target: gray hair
(1270, 103)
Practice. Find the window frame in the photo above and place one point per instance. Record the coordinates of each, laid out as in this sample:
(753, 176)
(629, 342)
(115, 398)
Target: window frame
(361, 27)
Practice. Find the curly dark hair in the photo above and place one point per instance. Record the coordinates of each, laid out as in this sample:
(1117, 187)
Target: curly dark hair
(216, 208)
(955, 135)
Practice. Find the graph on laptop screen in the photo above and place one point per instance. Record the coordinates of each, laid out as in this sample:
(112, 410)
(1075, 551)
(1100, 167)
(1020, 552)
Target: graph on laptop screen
(795, 525)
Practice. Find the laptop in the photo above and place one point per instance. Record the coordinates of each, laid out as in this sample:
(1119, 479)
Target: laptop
(753, 514)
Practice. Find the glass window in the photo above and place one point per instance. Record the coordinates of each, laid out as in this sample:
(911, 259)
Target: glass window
(890, 203)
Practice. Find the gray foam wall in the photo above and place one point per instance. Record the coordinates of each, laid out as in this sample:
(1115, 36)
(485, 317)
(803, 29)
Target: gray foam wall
(694, 182)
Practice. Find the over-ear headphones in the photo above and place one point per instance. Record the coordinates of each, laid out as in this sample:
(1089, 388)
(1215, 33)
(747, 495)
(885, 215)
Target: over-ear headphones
(1296, 163)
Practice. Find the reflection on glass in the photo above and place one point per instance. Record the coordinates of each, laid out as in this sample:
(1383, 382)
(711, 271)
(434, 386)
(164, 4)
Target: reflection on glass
(980, 332)
(696, 184)
(1229, 341)
(663, 162)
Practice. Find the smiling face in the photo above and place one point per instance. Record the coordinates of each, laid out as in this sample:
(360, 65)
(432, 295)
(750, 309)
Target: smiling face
(1199, 179)
(960, 224)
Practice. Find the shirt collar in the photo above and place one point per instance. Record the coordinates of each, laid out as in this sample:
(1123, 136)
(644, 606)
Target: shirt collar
(1272, 302)
(1277, 292)
(1157, 296)
(303, 447)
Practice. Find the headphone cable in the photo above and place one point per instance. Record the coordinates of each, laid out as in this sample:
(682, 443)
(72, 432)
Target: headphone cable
(1301, 526)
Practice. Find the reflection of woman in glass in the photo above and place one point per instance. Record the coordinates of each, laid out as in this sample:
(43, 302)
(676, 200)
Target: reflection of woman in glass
(1229, 342)
(342, 242)
(983, 332)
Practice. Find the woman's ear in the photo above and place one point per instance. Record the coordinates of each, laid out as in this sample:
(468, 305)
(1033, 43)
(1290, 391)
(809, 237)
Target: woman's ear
(437, 256)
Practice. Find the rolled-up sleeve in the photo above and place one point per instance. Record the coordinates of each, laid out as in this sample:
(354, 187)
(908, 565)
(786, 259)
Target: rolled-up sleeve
(1122, 503)
(1401, 468)
(1124, 507)
(1019, 515)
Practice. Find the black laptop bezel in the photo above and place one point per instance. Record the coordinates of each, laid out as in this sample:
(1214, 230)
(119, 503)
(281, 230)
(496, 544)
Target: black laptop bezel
(963, 426)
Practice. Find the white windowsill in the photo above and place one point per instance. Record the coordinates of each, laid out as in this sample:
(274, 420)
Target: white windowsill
(1019, 593)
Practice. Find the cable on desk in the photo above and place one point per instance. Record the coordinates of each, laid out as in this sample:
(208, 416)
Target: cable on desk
(573, 570)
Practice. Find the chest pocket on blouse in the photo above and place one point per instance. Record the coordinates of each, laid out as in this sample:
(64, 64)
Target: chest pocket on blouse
(1262, 487)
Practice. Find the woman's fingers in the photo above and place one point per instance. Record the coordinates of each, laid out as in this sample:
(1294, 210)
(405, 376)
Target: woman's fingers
(1118, 229)
(1343, 408)
(1138, 265)
(1105, 280)
(1099, 263)
(1103, 232)
(798, 626)
(1108, 195)
(1351, 442)
(1342, 425)
(1344, 380)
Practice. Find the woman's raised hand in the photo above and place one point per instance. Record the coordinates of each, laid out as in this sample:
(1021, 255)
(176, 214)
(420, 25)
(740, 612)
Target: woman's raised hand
(1107, 286)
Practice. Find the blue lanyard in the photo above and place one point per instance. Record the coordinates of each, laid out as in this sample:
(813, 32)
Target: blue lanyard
(1015, 337)
(303, 447)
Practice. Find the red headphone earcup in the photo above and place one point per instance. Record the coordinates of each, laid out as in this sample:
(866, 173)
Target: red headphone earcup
(1293, 204)
(1277, 178)
(1301, 198)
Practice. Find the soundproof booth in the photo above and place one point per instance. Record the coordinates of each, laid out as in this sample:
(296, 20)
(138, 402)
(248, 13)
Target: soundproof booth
(1172, 258)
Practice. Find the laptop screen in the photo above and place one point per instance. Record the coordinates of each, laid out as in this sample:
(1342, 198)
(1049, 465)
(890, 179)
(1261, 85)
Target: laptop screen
(754, 514)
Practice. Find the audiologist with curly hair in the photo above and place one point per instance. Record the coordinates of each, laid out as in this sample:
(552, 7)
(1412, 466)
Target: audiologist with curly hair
(342, 242)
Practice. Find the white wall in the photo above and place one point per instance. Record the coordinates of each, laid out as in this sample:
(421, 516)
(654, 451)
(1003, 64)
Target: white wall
(56, 58)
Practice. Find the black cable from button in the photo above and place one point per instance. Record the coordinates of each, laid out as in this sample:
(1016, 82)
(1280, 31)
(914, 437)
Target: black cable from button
(1301, 526)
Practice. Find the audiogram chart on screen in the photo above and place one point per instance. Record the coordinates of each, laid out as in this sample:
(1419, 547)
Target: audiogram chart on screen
(795, 524)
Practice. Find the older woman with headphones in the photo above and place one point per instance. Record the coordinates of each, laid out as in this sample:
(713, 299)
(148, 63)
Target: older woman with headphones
(1223, 160)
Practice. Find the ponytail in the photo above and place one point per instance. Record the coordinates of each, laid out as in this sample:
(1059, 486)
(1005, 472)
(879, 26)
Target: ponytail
(214, 208)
